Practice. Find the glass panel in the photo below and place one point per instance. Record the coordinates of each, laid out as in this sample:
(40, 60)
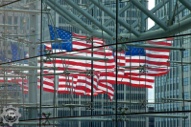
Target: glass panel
(94, 63)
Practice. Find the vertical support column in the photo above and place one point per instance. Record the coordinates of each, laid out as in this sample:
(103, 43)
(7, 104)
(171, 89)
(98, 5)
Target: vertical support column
(56, 80)
(143, 29)
(33, 52)
(116, 70)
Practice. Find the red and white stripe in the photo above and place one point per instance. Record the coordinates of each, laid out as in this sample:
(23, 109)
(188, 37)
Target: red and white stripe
(83, 65)
(67, 83)
(144, 81)
(75, 64)
(80, 84)
(156, 60)
(47, 82)
(120, 58)
(21, 82)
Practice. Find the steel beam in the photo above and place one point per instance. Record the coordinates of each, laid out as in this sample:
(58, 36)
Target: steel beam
(72, 19)
(184, 25)
(160, 33)
(75, 105)
(89, 8)
(112, 15)
(158, 6)
(78, 57)
(60, 10)
(120, 11)
(177, 99)
(1, 75)
(180, 62)
(149, 14)
(159, 115)
(7, 25)
(34, 28)
(20, 11)
(49, 41)
(108, 119)
(155, 46)
(186, 3)
(180, 9)
(87, 15)
(136, 102)
(127, 102)
(35, 122)
(25, 67)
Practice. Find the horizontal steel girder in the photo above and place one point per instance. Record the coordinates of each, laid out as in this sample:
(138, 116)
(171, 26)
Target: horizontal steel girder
(155, 46)
(77, 57)
(103, 119)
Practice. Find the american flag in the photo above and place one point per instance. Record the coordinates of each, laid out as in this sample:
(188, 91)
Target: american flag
(75, 45)
(12, 51)
(22, 82)
(153, 61)
(146, 63)
(136, 67)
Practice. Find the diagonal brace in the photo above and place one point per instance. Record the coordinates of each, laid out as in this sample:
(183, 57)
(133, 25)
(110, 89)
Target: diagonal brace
(87, 15)
(149, 14)
(186, 3)
(112, 15)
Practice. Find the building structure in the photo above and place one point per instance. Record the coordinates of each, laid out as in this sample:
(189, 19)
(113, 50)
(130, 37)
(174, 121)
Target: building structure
(101, 103)
(175, 85)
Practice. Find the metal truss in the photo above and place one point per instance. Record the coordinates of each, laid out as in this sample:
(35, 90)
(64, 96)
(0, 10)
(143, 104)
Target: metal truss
(75, 14)
(7, 2)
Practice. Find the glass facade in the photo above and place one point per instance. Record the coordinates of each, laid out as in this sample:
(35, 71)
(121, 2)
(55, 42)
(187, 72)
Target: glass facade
(90, 63)
(177, 84)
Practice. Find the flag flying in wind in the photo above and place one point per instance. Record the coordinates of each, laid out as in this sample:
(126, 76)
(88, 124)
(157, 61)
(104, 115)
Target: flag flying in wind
(12, 51)
(22, 82)
(136, 67)
(79, 70)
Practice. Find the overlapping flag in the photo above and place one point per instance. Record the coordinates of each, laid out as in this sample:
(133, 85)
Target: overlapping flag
(22, 82)
(135, 67)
